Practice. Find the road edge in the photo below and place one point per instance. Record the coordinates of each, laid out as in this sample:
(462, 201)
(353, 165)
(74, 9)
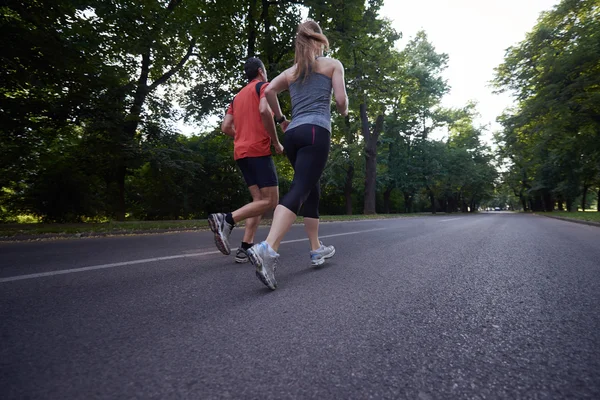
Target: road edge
(94, 235)
(577, 221)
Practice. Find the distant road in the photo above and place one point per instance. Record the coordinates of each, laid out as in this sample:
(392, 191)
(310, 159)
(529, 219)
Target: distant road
(493, 305)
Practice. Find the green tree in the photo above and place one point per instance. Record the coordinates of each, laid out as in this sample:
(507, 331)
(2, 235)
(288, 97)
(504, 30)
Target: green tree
(414, 114)
(364, 43)
(553, 135)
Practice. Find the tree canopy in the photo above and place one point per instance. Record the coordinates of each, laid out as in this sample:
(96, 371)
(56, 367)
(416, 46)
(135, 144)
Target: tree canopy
(92, 92)
(551, 139)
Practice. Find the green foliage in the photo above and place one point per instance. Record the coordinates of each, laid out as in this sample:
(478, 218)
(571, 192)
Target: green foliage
(552, 139)
(91, 90)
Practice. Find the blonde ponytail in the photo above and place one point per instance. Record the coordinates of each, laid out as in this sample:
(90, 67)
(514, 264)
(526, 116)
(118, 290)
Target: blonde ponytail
(308, 37)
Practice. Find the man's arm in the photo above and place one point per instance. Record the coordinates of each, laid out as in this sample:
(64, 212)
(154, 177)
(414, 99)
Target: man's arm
(266, 116)
(227, 125)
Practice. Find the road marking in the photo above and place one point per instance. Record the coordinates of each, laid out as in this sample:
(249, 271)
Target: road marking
(148, 260)
(337, 234)
(451, 219)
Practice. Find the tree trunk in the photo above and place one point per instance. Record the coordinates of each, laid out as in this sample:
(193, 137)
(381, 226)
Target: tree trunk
(386, 200)
(598, 205)
(132, 120)
(408, 199)
(371, 158)
(451, 203)
(548, 202)
(523, 200)
(432, 200)
(267, 35)
(251, 28)
(543, 200)
(569, 204)
(130, 126)
(560, 203)
(348, 189)
(444, 204)
(583, 199)
(463, 204)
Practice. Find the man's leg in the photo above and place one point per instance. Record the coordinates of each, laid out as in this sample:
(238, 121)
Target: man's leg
(269, 197)
(252, 222)
(265, 192)
(221, 223)
(259, 172)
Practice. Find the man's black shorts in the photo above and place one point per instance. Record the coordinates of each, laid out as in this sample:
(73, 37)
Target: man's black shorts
(258, 171)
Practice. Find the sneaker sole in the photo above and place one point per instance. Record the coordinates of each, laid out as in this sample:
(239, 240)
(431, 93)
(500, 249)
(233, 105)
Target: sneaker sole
(219, 241)
(316, 263)
(330, 254)
(257, 262)
(241, 260)
(321, 261)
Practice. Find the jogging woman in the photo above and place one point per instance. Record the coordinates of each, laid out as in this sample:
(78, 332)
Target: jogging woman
(307, 142)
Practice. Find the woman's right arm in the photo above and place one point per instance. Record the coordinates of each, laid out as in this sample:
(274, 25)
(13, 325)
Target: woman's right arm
(275, 87)
(339, 88)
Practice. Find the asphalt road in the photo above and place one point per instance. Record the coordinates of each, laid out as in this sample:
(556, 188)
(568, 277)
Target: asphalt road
(450, 307)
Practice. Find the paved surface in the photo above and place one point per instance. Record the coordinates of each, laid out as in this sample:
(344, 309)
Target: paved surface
(450, 307)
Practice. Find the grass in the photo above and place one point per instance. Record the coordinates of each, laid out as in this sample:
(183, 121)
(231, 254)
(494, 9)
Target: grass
(33, 230)
(113, 227)
(593, 216)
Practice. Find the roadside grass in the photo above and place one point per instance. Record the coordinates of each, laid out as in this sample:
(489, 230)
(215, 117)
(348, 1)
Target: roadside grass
(25, 230)
(590, 215)
(112, 227)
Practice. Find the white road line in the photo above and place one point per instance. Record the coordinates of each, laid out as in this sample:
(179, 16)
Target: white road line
(451, 219)
(337, 234)
(147, 260)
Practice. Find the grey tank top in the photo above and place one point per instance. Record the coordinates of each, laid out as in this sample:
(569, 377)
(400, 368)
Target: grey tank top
(311, 101)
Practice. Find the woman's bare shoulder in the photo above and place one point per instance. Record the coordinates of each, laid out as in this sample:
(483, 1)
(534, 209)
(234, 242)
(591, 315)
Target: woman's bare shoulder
(332, 61)
(328, 65)
(289, 73)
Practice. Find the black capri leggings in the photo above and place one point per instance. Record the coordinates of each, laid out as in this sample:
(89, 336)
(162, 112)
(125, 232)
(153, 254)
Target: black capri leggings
(307, 147)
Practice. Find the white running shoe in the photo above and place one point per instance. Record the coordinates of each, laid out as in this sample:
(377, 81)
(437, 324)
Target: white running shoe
(317, 257)
(222, 230)
(264, 258)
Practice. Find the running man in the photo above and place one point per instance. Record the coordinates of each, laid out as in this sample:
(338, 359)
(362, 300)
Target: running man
(249, 121)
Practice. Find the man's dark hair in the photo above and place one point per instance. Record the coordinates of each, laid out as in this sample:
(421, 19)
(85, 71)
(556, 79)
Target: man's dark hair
(251, 67)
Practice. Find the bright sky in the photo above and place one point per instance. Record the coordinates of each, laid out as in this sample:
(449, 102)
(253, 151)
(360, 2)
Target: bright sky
(474, 34)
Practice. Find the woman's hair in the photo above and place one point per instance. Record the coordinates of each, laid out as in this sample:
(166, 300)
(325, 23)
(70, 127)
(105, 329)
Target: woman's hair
(309, 36)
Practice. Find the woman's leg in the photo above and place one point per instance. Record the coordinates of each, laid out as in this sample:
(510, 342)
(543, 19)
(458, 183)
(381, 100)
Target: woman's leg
(311, 225)
(309, 164)
(311, 216)
(283, 219)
